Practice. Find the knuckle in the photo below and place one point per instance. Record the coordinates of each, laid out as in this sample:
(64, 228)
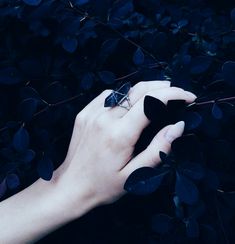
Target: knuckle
(106, 92)
(80, 118)
(177, 88)
(140, 85)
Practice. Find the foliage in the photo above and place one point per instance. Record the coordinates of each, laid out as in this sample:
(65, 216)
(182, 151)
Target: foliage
(56, 56)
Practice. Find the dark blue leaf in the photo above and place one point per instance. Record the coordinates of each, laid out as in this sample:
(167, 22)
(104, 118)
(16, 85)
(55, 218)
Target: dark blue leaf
(182, 23)
(27, 108)
(233, 16)
(29, 92)
(45, 168)
(13, 181)
(32, 2)
(70, 44)
(200, 64)
(179, 211)
(161, 223)
(217, 111)
(193, 170)
(9, 76)
(27, 156)
(144, 181)
(186, 190)
(211, 180)
(138, 57)
(228, 71)
(121, 9)
(165, 20)
(81, 2)
(192, 228)
(107, 48)
(107, 77)
(21, 140)
(192, 120)
(87, 81)
(3, 188)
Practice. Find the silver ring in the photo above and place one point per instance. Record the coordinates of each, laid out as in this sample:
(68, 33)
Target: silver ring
(118, 96)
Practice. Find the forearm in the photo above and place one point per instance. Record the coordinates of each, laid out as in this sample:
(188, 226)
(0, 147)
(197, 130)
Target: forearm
(37, 211)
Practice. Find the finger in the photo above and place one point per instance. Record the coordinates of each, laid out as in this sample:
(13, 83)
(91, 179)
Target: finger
(161, 142)
(136, 120)
(135, 93)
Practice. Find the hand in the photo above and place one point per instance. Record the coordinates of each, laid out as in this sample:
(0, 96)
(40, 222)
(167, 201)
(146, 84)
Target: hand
(99, 158)
(98, 162)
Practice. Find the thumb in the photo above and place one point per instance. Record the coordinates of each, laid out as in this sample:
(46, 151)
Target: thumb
(161, 142)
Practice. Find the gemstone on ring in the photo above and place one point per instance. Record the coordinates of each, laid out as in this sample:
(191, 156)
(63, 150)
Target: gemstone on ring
(118, 96)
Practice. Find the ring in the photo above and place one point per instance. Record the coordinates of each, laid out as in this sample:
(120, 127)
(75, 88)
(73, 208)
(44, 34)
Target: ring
(118, 96)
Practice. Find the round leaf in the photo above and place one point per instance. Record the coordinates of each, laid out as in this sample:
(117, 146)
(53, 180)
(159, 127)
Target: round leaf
(186, 190)
(21, 140)
(138, 57)
(144, 181)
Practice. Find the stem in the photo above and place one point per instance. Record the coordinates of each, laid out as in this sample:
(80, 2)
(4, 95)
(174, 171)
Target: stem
(211, 101)
(57, 104)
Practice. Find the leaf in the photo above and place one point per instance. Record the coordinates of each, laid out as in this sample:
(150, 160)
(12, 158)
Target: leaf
(107, 48)
(192, 120)
(21, 140)
(107, 77)
(138, 57)
(179, 211)
(233, 16)
(217, 111)
(9, 76)
(27, 108)
(81, 2)
(192, 228)
(12, 181)
(228, 71)
(3, 188)
(161, 223)
(45, 168)
(186, 190)
(33, 2)
(27, 156)
(182, 23)
(193, 170)
(144, 181)
(155, 110)
(200, 65)
(87, 81)
(211, 180)
(70, 44)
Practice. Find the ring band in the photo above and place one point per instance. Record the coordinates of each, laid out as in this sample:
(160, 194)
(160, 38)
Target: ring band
(118, 96)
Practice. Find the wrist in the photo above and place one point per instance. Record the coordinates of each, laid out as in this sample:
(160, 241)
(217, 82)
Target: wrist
(73, 200)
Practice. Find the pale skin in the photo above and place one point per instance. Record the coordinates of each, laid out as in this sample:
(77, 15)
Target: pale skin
(97, 164)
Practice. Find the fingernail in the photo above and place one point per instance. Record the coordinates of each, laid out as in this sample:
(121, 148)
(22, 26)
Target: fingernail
(191, 95)
(175, 131)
